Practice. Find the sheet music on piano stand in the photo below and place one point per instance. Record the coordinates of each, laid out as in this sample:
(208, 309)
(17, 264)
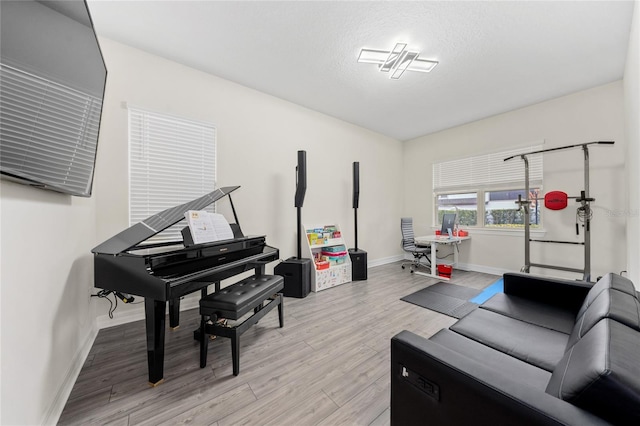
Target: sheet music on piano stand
(207, 227)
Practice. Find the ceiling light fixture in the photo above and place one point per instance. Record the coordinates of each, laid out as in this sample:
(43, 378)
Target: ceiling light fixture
(396, 61)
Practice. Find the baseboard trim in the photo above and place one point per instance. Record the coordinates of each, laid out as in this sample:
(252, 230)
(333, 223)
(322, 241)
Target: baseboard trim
(52, 415)
(481, 268)
(103, 321)
(384, 261)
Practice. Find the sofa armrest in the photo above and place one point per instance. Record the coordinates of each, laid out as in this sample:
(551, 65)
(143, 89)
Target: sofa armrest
(432, 384)
(563, 293)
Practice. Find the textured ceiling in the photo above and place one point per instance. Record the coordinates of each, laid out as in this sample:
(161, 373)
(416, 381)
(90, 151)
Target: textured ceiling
(494, 56)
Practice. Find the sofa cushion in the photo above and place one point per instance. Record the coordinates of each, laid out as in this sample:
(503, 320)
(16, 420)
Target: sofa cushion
(491, 358)
(533, 312)
(609, 303)
(539, 346)
(610, 280)
(601, 373)
(563, 293)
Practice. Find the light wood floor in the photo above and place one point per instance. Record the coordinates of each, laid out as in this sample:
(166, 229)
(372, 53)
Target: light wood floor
(329, 364)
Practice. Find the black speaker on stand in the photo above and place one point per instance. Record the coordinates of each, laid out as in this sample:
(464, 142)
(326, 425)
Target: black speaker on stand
(296, 270)
(358, 257)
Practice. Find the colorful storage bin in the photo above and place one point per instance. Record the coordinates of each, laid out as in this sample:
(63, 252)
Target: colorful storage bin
(322, 264)
(335, 249)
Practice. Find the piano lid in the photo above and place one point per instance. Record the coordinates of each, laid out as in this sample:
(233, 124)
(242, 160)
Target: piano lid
(149, 227)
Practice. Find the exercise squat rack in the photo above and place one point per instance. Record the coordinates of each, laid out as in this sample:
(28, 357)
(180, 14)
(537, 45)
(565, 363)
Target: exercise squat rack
(584, 213)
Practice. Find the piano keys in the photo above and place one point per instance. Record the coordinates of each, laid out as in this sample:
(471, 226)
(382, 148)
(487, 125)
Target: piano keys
(164, 272)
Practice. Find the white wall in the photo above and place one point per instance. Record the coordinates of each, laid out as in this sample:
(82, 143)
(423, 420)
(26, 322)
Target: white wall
(46, 275)
(591, 115)
(258, 139)
(632, 130)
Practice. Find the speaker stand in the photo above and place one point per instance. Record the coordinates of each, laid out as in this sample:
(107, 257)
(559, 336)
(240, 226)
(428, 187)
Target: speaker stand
(358, 257)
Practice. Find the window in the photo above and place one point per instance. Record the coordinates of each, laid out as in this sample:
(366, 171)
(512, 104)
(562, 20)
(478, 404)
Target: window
(459, 186)
(172, 161)
(502, 211)
(464, 204)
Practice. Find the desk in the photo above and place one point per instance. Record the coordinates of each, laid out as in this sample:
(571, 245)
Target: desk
(433, 241)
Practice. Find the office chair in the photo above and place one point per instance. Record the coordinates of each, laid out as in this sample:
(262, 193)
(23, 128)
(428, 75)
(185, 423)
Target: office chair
(408, 245)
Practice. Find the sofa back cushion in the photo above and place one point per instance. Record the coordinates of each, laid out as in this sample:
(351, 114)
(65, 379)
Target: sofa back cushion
(608, 281)
(601, 373)
(609, 303)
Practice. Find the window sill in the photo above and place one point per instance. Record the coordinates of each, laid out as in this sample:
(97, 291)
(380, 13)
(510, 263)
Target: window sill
(537, 233)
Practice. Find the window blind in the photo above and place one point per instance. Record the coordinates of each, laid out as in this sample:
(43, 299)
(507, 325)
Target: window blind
(488, 171)
(48, 132)
(172, 161)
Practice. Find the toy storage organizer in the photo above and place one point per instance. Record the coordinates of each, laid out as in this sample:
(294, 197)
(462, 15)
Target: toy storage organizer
(328, 251)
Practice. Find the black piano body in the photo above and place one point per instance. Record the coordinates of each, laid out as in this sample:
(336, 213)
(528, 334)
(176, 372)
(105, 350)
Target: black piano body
(164, 272)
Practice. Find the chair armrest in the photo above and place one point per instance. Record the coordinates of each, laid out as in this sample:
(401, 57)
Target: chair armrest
(563, 293)
(443, 387)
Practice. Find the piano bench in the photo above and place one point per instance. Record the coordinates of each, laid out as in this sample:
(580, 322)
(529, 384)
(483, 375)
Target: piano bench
(233, 302)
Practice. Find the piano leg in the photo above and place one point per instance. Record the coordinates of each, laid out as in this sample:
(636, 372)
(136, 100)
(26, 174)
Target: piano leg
(154, 312)
(197, 333)
(174, 313)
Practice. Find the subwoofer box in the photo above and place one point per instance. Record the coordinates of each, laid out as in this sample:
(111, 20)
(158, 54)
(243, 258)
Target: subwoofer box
(297, 276)
(358, 264)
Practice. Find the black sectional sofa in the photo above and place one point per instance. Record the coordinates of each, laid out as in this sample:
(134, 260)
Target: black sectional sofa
(546, 351)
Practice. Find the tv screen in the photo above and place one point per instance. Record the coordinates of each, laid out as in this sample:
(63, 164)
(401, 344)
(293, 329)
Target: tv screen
(52, 80)
(448, 222)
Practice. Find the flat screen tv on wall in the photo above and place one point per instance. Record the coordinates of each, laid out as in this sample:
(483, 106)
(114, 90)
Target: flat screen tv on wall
(52, 80)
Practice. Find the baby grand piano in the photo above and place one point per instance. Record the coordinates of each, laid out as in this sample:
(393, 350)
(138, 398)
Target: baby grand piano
(163, 272)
